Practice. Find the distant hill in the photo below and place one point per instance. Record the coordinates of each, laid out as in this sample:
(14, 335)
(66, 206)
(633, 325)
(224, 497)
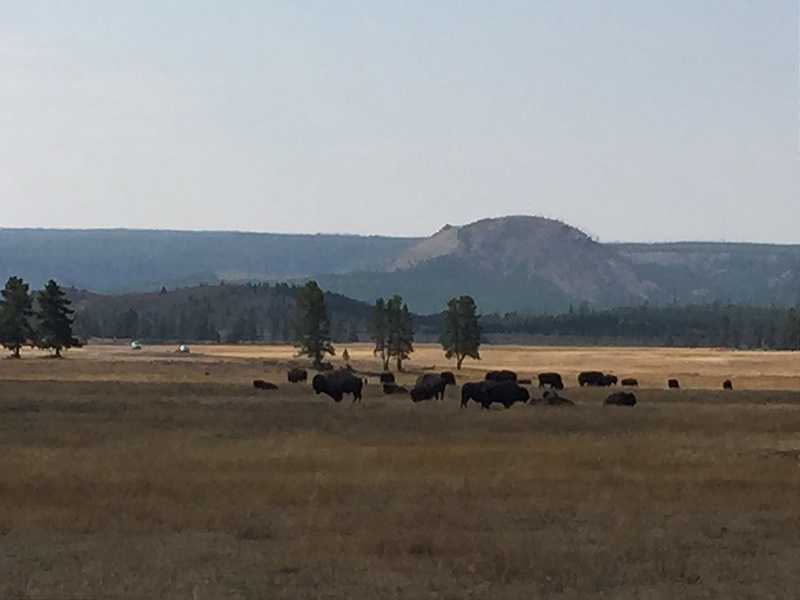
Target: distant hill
(524, 264)
(512, 264)
(128, 260)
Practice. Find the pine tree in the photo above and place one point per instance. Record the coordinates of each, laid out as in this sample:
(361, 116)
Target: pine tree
(16, 309)
(55, 321)
(379, 332)
(311, 326)
(400, 339)
(462, 331)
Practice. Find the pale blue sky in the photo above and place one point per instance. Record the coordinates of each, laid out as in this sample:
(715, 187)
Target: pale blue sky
(634, 121)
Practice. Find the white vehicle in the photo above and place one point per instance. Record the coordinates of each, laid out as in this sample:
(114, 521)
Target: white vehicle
(183, 349)
(136, 345)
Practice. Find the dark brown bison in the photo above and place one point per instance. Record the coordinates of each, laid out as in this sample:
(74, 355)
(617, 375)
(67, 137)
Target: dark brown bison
(552, 379)
(630, 382)
(589, 378)
(620, 399)
(504, 375)
(727, 384)
(393, 388)
(432, 386)
(337, 383)
(260, 384)
(387, 377)
(486, 393)
(673, 384)
(297, 375)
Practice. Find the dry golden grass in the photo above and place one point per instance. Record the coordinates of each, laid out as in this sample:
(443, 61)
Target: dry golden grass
(154, 475)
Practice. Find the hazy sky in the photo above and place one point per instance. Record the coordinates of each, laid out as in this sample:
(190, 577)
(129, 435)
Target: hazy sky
(632, 120)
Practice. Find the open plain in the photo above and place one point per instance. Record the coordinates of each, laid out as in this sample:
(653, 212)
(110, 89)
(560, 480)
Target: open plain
(144, 474)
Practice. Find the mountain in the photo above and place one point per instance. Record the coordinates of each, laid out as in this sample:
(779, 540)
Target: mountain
(510, 264)
(523, 264)
(533, 265)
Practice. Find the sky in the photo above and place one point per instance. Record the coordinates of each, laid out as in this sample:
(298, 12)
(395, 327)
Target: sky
(633, 121)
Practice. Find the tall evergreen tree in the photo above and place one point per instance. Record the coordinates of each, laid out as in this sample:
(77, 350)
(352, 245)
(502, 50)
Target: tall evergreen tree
(379, 332)
(311, 326)
(462, 331)
(400, 331)
(55, 321)
(16, 309)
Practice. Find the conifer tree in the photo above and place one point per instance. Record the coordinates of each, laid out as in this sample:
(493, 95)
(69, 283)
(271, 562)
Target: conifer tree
(311, 326)
(379, 332)
(462, 331)
(400, 340)
(54, 329)
(16, 309)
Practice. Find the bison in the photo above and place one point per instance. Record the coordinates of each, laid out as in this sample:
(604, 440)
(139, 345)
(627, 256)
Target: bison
(551, 379)
(551, 398)
(486, 393)
(504, 375)
(727, 384)
(432, 386)
(589, 378)
(337, 383)
(387, 377)
(297, 375)
(630, 382)
(620, 399)
(393, 388)
(260, 384)
(673, 384)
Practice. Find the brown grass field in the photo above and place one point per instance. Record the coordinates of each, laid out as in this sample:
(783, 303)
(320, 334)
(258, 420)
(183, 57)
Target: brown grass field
(154, 475)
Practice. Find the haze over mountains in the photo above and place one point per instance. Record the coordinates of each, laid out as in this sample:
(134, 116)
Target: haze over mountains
(520, 263)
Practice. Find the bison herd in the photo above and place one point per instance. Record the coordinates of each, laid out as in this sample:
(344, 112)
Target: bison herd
(497, 387)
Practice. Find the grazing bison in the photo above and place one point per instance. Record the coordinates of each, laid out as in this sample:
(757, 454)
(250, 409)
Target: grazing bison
(673, 384)
(393, 388)
(620, 399)
(504, 375)
(551, 398)
(297, 375)
(727, 384)
(486, 393)
(630, 382)
(387, 377)
(337, 383)
(432, 386)
(607, 380)
(589, 378)
(551, 379)
(260, 384)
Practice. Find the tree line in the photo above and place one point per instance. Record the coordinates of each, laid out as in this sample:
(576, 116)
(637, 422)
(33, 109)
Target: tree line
(715, 325)
(49, 326)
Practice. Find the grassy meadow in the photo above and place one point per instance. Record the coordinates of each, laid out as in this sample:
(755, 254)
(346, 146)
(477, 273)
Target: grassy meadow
(150, 474)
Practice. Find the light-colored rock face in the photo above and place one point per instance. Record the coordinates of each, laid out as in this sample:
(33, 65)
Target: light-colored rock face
(534, 246)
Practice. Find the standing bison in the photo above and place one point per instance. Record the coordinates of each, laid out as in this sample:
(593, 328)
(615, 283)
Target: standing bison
(432, 386)
(552, 379)
(630, 382)
(504, 375)
(387, 377)
(673, 384)
(486, 393)
(620, 399)
(297, 375)
(727, 384)
(337, 383)
(589, 378)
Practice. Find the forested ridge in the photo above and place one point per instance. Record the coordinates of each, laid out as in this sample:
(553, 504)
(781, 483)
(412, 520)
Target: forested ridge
(262, 313)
